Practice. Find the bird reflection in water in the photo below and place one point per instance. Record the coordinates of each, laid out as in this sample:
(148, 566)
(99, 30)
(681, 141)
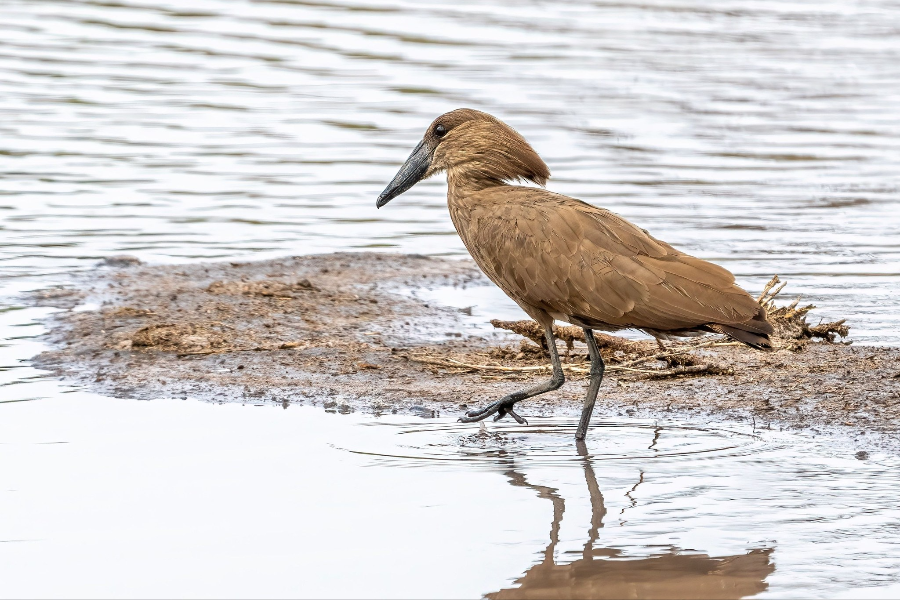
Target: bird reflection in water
(602, 573)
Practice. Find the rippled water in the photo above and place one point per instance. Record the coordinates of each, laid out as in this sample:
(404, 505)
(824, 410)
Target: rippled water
(763, 135)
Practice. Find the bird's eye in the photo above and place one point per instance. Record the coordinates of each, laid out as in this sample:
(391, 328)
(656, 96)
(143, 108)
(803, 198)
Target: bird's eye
(440, 130)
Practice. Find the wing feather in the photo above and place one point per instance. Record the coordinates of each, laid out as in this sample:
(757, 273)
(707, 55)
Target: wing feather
(567, 257)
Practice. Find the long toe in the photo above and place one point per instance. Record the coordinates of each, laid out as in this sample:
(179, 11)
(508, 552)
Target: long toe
(508, 410)
(484, 412)
(520, 420)
(479, 415)
(473, 419)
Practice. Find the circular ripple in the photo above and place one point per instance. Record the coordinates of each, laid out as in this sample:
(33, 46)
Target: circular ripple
(547, 441)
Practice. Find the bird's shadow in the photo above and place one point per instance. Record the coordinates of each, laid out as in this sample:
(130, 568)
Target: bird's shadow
(604, 573)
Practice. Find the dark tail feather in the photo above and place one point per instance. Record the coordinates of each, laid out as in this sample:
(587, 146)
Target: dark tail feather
(756, 340)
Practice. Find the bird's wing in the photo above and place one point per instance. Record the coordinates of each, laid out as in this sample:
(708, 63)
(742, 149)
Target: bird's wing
(569, 257)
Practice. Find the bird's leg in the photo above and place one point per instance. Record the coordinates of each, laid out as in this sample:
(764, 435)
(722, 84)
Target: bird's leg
(504, 406)
(596, 373)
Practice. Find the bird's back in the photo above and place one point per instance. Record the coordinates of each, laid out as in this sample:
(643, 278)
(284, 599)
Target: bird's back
(593, 267)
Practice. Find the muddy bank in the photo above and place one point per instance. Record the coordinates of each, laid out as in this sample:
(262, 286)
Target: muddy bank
(343, 331)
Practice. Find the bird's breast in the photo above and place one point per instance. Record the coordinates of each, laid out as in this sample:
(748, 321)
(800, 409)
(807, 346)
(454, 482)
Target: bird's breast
(497, 268)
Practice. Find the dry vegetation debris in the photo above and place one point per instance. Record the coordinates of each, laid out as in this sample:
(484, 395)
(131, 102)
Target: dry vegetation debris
(638, 359)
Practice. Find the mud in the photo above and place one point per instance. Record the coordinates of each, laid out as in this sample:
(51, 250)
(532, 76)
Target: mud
(342, 331)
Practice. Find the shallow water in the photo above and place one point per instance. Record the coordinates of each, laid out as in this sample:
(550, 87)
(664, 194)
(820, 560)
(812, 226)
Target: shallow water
(762, 135)
(106, 497)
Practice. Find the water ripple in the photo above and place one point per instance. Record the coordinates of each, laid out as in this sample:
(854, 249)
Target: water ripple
(548, 442)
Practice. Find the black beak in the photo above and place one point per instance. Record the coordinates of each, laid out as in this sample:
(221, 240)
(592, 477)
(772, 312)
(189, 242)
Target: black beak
(411, 173)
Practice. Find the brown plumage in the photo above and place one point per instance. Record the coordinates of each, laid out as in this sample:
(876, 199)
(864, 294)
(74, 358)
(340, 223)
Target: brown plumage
(563, 259)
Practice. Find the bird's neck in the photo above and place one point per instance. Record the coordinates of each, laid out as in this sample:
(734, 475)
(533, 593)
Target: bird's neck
(462, 183)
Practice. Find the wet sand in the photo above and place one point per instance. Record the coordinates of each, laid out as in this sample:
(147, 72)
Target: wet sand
(343, 331)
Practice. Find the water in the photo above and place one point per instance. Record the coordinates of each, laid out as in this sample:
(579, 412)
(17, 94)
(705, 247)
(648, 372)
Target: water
(762, 135)
(110, 498)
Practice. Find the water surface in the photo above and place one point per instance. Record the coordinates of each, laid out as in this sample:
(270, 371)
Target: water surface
(763, 135)
(106, 497)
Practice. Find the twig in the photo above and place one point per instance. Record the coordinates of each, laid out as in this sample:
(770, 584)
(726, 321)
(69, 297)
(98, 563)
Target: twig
(654, 374)
(449, 362)
(688, 370)
(224, 351)
(765, 296)
(661, 355)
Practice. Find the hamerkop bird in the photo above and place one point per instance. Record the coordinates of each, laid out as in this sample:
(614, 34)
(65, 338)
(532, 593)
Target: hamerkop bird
(562, 259)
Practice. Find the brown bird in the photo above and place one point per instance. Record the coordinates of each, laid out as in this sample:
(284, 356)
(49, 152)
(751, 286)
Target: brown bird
(563, 259)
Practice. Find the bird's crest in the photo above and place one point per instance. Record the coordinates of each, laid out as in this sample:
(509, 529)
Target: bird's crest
(480, 150)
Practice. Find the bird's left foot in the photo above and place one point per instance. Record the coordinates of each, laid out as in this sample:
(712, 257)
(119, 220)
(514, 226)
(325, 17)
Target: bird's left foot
(502, 408)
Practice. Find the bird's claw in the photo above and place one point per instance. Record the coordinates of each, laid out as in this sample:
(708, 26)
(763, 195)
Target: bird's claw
(507, 410)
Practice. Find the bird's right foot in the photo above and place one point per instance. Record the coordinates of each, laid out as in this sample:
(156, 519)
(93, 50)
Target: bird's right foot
(501, 408)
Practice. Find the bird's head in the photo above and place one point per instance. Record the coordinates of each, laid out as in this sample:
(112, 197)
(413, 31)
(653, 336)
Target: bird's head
(475, 149)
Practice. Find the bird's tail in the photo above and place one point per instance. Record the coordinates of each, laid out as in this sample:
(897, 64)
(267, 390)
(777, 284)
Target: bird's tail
(754, 332)
(759, 340)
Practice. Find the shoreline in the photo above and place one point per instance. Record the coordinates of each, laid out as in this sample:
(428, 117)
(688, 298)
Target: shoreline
(341, 331)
